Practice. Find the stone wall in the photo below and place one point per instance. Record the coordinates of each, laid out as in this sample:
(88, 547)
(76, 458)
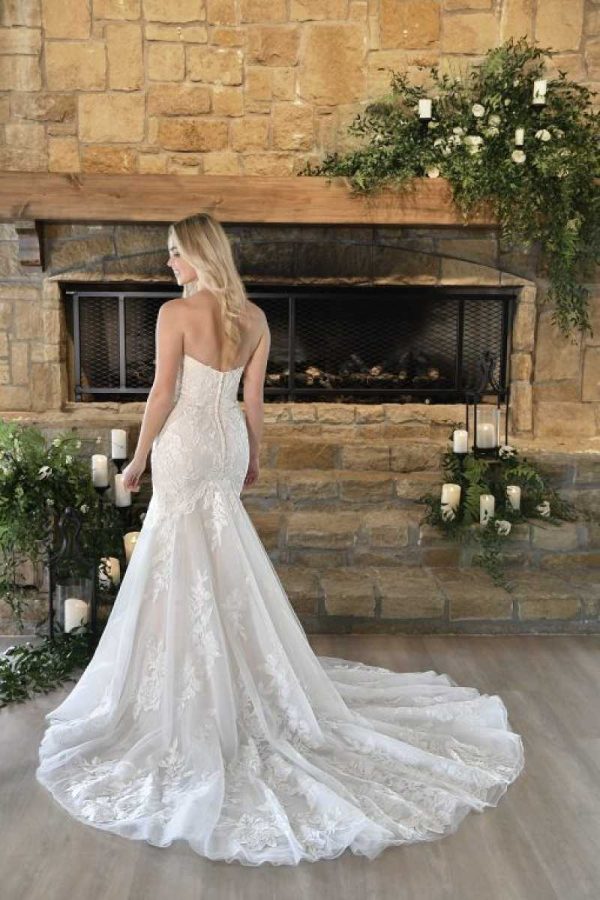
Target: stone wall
(238, 86)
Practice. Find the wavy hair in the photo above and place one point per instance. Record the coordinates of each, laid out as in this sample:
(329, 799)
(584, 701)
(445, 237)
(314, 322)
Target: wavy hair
(203, 242)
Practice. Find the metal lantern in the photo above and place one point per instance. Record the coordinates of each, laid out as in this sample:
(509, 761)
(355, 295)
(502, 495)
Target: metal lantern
(487, 417)
(72, 593)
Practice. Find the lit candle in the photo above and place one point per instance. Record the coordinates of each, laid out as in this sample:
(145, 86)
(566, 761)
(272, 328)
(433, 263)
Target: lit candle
(118, 438)
(425, 108)
(110, 572)
(486, 508)
(486, 434)
(122, 495)
(99, 470)
(513, 492)
(519, 136)
(539, 91)
(130, 540)
(451, 495)
(460, 440)
(76, 613)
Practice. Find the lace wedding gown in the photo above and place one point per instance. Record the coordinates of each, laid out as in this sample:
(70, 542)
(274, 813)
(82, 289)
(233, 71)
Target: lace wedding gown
(205, 715)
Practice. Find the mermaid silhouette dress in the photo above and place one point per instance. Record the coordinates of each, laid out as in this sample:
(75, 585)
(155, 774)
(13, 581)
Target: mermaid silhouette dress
(204, 715)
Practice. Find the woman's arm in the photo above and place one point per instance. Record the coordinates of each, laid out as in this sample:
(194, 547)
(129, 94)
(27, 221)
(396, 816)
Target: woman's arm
(254, 383)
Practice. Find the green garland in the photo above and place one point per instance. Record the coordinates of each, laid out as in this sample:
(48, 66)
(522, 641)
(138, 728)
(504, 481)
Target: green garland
(25, 669)
(545, 190)
(37, 482)
(478, 476)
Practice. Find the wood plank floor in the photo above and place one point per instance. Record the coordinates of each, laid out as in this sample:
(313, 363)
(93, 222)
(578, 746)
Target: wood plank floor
(541, 842)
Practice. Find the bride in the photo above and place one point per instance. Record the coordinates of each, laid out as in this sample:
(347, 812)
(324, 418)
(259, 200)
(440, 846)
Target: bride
(204, 714)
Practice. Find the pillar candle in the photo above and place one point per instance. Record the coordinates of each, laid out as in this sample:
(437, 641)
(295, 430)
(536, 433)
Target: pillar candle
(118, 438)
(130, 540)
(519, 136)
(513, 492)
(425, 108)
(451, 494)
(486, 434)
(122, 495)
(460, 440)
(76, 613)
(539, 91)
(99, 470)
(486, 507)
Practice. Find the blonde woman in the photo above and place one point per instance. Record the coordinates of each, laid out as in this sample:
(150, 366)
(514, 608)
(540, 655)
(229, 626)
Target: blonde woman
(204, 714)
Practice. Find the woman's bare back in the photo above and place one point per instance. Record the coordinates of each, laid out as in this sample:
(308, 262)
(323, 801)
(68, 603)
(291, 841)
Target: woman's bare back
(204, 335)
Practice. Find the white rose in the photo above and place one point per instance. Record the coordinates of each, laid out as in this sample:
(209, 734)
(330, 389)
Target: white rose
(506, 450)
(68, 459)
(446, 151)
(455, 139)
(518, 156)
(448, 514)
(503, 526)
(44, 472)
(478, 110)
(543, 508)
(432, 171)
(84, 508)
(473, 142)
(56, 442)
(438, 141)
(494, 119)
(458, 130)
(507, 101)
(492, 131)
(433, 123)
(543, 134)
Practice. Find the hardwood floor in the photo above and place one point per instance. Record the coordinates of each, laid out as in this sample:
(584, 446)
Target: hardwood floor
(541, 842)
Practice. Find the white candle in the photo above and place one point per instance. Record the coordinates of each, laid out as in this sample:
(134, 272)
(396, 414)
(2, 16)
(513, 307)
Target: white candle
(519, 136)
(122, 495)
(76, 613)
(486, 507)
(513, 492)
(99, 470)
(539, 91)
(112, 573)
(451, 495)
(486, 434)
(130, 540)
(425, 108)
(460, 440)
(118, 438)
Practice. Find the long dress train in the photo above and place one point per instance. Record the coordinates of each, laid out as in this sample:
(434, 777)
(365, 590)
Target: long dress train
(205, 715)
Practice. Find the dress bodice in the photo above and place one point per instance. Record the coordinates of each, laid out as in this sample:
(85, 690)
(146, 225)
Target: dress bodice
(200, 384)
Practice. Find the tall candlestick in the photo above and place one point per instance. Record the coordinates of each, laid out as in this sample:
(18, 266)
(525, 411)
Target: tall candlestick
(118, 438)
(122, 495)
(99, 470)
(486, 508)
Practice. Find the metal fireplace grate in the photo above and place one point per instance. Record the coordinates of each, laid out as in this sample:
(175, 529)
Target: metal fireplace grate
(335, 344)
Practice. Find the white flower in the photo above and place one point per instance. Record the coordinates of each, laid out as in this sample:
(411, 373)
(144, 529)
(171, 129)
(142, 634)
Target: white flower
(473, 142)
(494, 119)
(543, 508)
(44, 472)
(516, 81)
(458, 130)
(503, 526)
(573, 224)
(56, 442)
(438, 141)
(558, 132)
(446, 151)
(506, 450)
(448, 513)
(50, 501)
(562, 172)
(564, 152)
(507, 101)
(433, 123)
(478, 110)
(492, 131)
(543, 134)
(518, 156)
(455, 139)
(84, 508)
(68, 459)
(432, 171)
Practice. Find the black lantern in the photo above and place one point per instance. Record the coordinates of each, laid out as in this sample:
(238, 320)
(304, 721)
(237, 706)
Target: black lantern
(72, 594)
(487, 416)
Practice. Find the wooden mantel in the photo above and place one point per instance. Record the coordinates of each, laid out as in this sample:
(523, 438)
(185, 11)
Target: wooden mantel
(36, 197)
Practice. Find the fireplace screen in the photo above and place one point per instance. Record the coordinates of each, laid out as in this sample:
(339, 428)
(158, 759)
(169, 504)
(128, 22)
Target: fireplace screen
(335, 344)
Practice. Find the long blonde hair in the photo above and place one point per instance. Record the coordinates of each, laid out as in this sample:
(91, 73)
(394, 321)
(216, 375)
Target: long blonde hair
(203, 242)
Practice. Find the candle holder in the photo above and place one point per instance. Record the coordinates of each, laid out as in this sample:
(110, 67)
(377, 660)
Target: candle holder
(72, 598)
(119, 463)
(487, 416)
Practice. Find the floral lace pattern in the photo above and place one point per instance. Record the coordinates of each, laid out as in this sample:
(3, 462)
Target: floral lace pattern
(204, 714)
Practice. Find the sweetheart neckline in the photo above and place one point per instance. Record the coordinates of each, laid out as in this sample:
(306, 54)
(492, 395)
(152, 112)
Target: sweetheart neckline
(206, 366)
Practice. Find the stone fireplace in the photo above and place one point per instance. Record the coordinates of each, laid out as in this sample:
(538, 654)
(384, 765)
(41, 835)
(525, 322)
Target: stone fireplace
(336, 501)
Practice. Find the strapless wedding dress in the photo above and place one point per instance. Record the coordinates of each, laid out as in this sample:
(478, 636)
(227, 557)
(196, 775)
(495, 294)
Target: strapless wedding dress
(205, 715)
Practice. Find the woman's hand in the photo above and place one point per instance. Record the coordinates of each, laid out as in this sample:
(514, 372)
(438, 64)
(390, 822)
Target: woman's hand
(252, 473)
(133, 472)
